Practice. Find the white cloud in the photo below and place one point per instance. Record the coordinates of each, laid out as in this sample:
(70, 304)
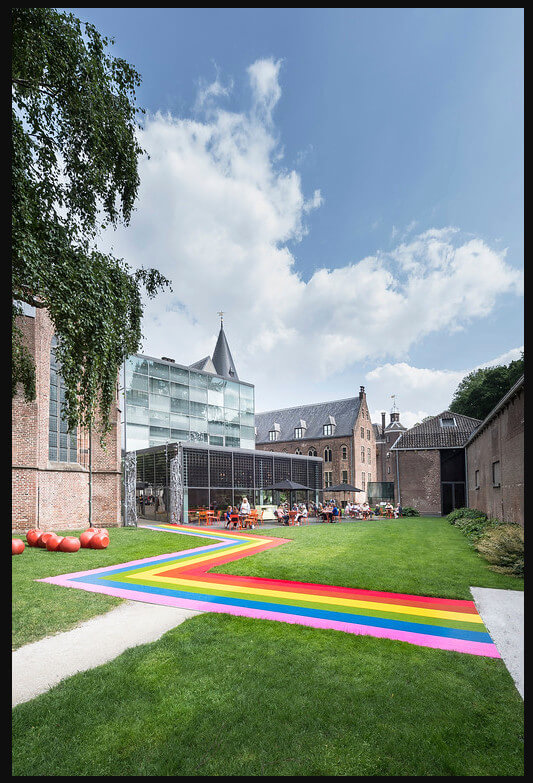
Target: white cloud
(215, 213)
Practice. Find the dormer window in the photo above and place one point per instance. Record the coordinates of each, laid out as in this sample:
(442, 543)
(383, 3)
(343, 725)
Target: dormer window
(448, 421)
(328, 429)
(274, 433)
(298, 432)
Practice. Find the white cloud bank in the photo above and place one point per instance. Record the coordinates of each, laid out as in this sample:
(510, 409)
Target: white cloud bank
(215, 213)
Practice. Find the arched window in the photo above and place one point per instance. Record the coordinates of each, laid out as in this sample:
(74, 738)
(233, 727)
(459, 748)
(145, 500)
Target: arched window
(297, 451)
(62, 444)
(312, 452)
(327, 454)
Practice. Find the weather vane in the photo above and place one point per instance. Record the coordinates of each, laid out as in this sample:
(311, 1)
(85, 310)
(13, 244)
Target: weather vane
(393, 397)
(221, 314)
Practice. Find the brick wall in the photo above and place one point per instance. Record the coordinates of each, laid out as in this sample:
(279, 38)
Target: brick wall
(502, 439)
(419, 473)
(55, 495)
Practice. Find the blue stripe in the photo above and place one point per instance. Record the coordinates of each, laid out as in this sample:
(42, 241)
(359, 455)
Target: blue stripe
(426, 630)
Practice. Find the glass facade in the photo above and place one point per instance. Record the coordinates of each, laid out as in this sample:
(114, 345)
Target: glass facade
(216, 477)
(167, 402)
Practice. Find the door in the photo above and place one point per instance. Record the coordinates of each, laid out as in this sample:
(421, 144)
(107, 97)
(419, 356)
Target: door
(453, 496)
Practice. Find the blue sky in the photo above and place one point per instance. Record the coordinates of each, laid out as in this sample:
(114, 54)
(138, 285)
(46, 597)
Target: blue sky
(369, 134)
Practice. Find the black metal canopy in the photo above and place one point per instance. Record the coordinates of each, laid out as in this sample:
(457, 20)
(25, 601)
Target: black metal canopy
(343, 488)
(287, 484)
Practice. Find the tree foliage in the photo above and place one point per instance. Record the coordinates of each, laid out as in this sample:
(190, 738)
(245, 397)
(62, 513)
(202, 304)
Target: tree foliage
(75, 151)
(479, 392)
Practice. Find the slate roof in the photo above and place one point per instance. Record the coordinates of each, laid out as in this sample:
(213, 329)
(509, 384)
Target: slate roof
(204, 364)
(222, 358)
(432, 435)
(377, 431)
(343, 412)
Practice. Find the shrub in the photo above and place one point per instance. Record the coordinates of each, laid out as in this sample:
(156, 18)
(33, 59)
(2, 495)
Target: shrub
(410, 512)
(475, 528)
(465, 513)
(503, 546)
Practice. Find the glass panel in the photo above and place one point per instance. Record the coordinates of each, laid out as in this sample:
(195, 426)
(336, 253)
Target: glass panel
(63, 426)
(137, 397)
(179, 374)
(215, 440)
(52, 423)
(231, 416)
(136, 364)
(73, 456)
(63, 440)
(159, 419)
(198, 425)
(248, 433)
(247, 444)
(179, 434)
(158, 370)
(216, 428)
(137, 415)
(233, 443)
(215, 413)
(197, 379)
(52, 408)
(139, 433)
(178, 406)
(247, 419)
(198, 395)
(63, 456)
(215, 397)
(198, 409)
(52, 455)
(180, 422)
(53, 392)
(157, 386)
(232, 430)
(217, 384)
(159, 432)
(52, 439)
(231, 395)
(139, 382)
(159, 403)
(53, 378)
(199, 437)
(178, 391)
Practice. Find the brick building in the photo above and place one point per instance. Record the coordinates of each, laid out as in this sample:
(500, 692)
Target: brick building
(339, 431)
(430, 463)
(495, 459)
(50, 467)
(386, 436)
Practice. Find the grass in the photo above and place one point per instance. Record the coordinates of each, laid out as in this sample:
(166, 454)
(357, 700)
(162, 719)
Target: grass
(418, 555)
(221, 695)
(40, 609)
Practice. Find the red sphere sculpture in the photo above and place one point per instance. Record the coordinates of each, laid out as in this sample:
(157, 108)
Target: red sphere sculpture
(43, 538)
(32, 536)
(99, 541)
(53, 543)
(17, 546)
(69, 544)
(85, 538)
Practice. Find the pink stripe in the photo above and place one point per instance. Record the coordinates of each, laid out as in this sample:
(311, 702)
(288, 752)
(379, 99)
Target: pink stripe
(422, 640)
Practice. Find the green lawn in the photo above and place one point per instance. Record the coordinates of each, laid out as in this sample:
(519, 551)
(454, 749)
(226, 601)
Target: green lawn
(42, 609)
(221, 695)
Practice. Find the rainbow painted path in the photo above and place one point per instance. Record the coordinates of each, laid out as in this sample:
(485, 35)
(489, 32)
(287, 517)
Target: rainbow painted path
(182, 579)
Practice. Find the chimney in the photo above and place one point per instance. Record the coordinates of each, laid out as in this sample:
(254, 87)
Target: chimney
(362, 394)
(382, 422)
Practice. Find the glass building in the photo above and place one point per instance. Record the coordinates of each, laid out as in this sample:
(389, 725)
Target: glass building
(215, 478)
(205, 402)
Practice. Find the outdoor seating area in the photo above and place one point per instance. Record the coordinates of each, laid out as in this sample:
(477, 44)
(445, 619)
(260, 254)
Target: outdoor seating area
(235, 520)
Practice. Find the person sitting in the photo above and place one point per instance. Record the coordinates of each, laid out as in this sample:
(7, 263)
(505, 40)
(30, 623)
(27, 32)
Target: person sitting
(397, 511)
(282, 514)
(302, 514)
(377, 510)
(335, 513)
(388, 509)
(229, 512)
(365, 510)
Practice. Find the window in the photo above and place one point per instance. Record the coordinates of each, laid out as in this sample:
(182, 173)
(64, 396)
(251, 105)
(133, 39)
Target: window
(345, 452)
(362, 453)
(368, 456)
(362, 432)
(344, 476)
(298, 432)
(362, 481)
(388, 468)
(312, 452)
(328, 429)
(273, 435)
(368, 434)
(476, 479)
(62, 444)
(297, 451)
(496, 476)
(369, 478)
(447, 421)
(388, 454)
(387, 439)
(327, 454)
(327, 479)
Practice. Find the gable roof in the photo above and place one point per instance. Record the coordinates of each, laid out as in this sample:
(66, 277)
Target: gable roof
(343, 413)
(204, 364)
(431, 434)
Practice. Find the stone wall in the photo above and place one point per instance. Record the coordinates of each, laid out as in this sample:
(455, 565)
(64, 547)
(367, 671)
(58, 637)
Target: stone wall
(419, 474)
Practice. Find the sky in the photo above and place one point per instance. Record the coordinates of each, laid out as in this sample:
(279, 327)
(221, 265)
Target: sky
(346, 185)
